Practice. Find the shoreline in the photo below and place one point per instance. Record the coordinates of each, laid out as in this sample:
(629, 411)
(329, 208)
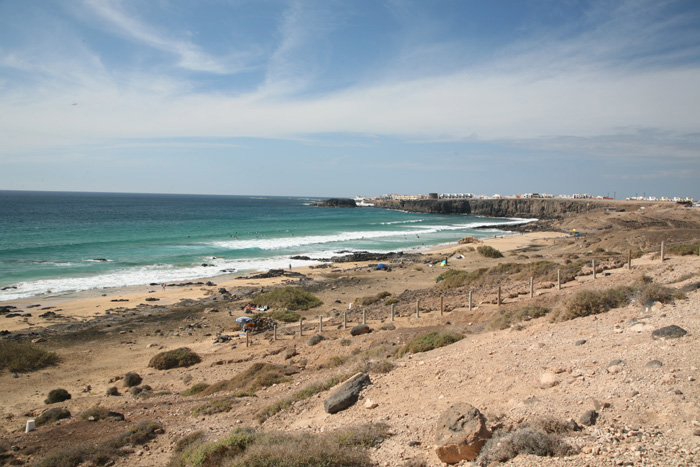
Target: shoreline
(88, 304)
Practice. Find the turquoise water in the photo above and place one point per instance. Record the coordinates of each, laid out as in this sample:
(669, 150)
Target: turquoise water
(56, 243)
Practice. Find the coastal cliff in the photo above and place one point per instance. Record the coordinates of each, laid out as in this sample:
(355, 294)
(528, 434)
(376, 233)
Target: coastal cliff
(527, 208)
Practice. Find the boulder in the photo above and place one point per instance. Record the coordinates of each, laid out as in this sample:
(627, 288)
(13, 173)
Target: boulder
(461, 433)
(548, 380)
(669, 332)
(360, 329)
(589, 418)
(347, 394)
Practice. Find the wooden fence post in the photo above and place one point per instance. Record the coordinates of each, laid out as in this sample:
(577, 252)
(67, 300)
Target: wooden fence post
(470, 300)
(274, 332)
(442, 305)
(662, 251)
(532, 287)
(498, 301)
(320, 323)
(364, 316)
(392, 312)
(629, 259)
(593, 269)
(417, 308)
(345, 320)
(558, 279)
(247, 339)
(301, 327)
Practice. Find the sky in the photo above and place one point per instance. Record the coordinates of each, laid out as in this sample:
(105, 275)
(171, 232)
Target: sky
(343, 98)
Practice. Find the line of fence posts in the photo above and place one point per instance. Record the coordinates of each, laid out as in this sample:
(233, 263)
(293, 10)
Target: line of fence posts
(470, 303)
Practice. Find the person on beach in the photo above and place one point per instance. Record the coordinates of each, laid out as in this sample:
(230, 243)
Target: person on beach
(164, 285)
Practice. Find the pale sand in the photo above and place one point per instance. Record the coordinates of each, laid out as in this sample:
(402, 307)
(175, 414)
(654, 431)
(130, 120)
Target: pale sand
(89, 304)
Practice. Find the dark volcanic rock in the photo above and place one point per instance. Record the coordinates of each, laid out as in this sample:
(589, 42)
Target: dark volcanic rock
(360, 329)
(347, 394)
(337, 203)
(669, 332)
(589, 418)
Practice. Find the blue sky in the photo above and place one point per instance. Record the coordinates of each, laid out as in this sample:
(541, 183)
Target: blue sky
(339, 98)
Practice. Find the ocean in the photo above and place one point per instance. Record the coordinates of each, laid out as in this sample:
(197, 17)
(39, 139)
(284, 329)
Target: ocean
(58, 243)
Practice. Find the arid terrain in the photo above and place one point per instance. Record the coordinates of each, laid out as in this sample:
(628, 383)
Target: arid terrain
(515, 371)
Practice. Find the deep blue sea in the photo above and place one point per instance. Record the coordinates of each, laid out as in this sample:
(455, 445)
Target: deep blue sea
(57, 243)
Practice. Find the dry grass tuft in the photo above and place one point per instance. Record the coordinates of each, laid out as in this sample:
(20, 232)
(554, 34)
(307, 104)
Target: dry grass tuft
(178, 358)
(22, 357)
(257, 376)
(503, 447)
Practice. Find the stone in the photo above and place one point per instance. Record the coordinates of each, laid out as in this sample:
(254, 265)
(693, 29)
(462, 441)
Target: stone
(347, 394)
(360, 329)
(548, 380)
(654, 364)
(580, 342)
(669, 332)
(589, 418)
(614, 369)
(370, 404)
(460, 434)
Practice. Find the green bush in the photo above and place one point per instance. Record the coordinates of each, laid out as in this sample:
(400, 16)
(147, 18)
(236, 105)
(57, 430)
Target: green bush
(489, 251)
(285, 316)
(23, 357)
(593, 302)
(194, 389)
(97, 413)
(57, 395)
(430, 341)
(132, 379)
(684, 250)
(391, 301)
(247, 448)
(290, 298)
(182, 357)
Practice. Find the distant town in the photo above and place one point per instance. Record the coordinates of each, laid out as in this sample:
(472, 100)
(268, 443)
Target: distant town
(366, 201)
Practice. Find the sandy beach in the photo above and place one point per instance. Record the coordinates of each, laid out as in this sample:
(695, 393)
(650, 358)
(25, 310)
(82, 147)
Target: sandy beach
(100, 336)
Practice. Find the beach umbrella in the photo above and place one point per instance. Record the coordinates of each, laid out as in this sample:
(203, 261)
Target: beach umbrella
(243, 319)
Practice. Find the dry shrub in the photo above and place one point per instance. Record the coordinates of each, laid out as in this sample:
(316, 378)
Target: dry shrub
(507, 318)
(132, 379)
(457, 278)
(503, 447)
(371, 300)
(178, 358)
(315, 339)
(52, 415)
(189, 440)
(97, 413)
(57, 395)
(375, 366)
(684, 250)
(255, 377)
(23, 357)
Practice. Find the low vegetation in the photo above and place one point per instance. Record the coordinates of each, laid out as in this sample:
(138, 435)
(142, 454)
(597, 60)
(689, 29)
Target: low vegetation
(220, 405)
(305, 393)
(22, 357)
(246, 447)
(178, 358)
(685, 250)
(505, 446)
(103, 454)
(489, 251)
(94, 413)
(429, 341)
(288, 298)
(284, 316)
(52, 415)
(257, 376)
(57, 395)
(593, 302)
(194, 389)
(507, 318)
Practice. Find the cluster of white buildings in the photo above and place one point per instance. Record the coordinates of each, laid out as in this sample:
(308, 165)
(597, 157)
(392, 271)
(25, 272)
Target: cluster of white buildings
(395, 196)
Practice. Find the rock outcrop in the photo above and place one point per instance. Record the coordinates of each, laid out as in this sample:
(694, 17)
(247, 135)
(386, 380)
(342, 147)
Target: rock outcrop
(337, 203)
(461, 433)
(347, 394)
